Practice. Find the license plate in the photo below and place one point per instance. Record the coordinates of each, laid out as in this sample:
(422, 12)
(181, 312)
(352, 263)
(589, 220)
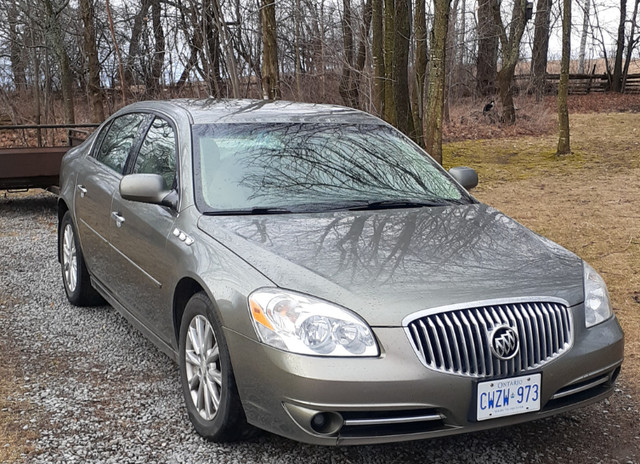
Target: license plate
(507, 397)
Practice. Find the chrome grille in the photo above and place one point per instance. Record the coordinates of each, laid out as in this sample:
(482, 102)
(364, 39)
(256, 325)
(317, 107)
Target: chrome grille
(457, 341)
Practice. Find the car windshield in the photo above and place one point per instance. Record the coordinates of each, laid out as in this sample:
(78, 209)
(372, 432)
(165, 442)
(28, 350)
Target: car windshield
(263, 168)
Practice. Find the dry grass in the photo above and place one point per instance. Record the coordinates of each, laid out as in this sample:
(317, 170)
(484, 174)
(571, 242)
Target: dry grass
(588, 202)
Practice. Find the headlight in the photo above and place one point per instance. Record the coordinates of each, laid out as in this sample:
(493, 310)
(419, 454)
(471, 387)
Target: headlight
(307, 325)
(596, 298)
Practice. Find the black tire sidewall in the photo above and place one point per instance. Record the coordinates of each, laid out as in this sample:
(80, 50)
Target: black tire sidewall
(84, 294)
(229, 422)
(73, 296)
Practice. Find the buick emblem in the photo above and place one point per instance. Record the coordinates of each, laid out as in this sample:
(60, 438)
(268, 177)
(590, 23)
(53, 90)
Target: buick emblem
(504, 342)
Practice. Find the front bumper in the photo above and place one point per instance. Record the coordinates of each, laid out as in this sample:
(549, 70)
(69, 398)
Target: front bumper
(393, 397)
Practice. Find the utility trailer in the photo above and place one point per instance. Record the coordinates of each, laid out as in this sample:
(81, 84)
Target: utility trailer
(36, 167)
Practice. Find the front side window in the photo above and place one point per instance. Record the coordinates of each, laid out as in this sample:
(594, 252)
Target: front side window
(116, 145)
(310, 167)
(157, 153)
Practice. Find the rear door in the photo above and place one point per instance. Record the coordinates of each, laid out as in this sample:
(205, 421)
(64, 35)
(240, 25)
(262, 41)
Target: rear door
(97, 180)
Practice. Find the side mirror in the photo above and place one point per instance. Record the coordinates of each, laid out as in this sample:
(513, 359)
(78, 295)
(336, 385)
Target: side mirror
(467, 177)
(147, 188)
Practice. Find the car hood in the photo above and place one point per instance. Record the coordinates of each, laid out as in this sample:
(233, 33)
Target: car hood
(388, 264)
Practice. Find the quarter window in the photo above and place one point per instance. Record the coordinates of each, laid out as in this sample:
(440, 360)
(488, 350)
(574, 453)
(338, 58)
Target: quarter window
(115, 147)
(157, 154)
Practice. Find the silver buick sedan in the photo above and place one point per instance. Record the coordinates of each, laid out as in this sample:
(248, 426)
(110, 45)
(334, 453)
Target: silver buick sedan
(315, 274)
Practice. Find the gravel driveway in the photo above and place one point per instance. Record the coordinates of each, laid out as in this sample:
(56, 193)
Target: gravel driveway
(89, 388)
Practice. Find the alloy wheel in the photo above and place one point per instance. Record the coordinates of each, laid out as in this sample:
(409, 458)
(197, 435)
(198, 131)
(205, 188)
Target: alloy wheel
(203, 368)
(69, 259)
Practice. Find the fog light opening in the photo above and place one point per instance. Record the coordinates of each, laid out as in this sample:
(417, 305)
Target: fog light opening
(326, 423)
(615, 375)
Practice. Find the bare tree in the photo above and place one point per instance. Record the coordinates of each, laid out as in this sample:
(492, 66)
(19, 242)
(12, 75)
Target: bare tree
(402, 23)
(389, 32)
(157, 63)
(55, 35)
(270, 75)
(16, 48)
(616, 78)
(583, 37)
(437, 76)
(378, 56)
(487, 60)
(510, 53)
(421, 61)
(94, 89)
(564, 145)
(540, 46)
(346, 84)
(631, 44)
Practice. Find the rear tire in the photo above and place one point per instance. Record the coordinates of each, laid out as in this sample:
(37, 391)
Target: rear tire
(75, 276)
(206, 375)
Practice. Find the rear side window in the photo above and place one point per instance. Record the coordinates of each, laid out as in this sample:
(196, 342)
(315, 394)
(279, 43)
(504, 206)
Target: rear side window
(157, 153)
(116, 145)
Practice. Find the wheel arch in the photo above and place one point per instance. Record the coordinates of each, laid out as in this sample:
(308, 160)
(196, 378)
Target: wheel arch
(186, 288)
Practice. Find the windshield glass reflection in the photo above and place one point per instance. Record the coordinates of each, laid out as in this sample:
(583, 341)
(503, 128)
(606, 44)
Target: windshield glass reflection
(311, 167)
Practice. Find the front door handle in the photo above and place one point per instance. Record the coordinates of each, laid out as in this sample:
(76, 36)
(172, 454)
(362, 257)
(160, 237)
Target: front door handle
(83, 191)
(118, 218)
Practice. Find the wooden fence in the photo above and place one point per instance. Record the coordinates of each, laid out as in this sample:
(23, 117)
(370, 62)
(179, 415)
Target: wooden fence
(580, 84)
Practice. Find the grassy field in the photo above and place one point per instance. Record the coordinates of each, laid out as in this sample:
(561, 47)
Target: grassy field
(588, 202)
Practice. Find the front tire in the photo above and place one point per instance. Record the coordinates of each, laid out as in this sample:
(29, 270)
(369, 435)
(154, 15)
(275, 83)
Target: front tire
(75, 276)
(206, 375)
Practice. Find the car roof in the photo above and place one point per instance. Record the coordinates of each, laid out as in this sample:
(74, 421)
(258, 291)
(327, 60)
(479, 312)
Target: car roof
(210, 110)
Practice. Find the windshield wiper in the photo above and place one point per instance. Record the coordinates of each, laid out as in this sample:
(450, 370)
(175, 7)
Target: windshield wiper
(402, 203)
(248, 211)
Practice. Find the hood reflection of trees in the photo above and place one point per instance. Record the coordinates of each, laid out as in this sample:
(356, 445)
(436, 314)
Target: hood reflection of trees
(446, 242)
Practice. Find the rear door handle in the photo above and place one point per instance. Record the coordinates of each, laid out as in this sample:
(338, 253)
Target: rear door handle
(118, 218)
(83, 191)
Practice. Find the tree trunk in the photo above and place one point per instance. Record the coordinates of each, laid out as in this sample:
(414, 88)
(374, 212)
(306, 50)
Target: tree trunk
(159, 46)
(123, 82)
(400, 66)
(361, 55)
(616, 82)
(298, 69)
(510, 53)
(346, 86)
(270, 75)
(378, 57)
(421, 61)
(66, 77)
(487, 61)
(389, 29)
(16, 49)
(229, 55)
(93, 65)
(564, 146)
(540, 47)
(134, 44)
(631, 44)
(211, 58)
(462, 38)
(583, 37)
(437, 76)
